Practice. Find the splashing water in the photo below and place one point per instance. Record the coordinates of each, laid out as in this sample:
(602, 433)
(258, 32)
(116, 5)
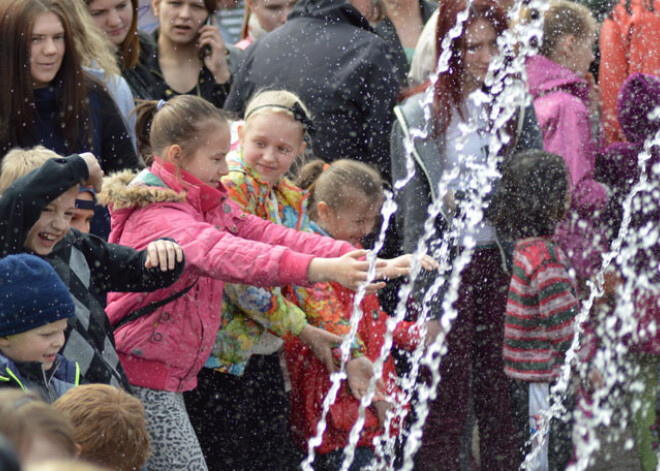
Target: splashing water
(506, 99)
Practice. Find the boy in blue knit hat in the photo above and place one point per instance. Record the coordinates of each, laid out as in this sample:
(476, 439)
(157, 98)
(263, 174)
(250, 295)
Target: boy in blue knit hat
(34, 308)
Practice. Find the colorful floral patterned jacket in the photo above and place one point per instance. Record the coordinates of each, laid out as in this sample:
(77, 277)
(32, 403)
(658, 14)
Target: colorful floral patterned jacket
(249, 311)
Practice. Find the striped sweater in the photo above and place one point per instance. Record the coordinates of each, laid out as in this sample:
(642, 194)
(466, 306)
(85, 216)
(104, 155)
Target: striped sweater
(540, 311)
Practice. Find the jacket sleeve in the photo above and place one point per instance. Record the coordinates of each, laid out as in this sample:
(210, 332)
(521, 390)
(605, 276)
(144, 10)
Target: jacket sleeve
(268, 307)
(122, 269)
(531, 136)
(380, 88)
(613, 71)
(21, 204)
(414, 197)
(568, 134)
(256, 229)
(217, 253)
(242, 87)
(117, 152)
(558, 304)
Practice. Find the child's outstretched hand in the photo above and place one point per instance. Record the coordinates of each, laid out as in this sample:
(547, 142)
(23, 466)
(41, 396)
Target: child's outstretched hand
(347, 270)
(164, 254)
(321, 343)
(359, 371)
(95, 179)
(381, 411)
(400, 266)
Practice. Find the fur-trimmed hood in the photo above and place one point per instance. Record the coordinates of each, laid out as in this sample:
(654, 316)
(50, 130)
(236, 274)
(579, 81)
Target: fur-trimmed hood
(128, 189)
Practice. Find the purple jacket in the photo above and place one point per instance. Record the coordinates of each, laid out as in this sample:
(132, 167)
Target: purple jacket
(618, 168)
(561, 102)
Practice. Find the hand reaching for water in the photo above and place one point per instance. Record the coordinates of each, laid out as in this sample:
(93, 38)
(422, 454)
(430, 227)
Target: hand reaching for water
(321, 343)
(360, 371)
(347, 270)
(164, 254)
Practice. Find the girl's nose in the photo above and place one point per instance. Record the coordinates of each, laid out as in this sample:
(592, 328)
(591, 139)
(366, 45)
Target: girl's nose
(114, 19)
(49, 47)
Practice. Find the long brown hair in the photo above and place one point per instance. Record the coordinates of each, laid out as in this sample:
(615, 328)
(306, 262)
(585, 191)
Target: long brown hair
(449, 85)
(17, 128)
(128, 52)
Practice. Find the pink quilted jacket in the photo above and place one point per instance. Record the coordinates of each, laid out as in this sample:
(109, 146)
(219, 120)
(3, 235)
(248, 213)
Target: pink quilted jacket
(166, 349)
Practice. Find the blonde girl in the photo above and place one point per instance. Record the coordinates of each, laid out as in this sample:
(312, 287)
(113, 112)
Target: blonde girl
(180, 196)
(271, 140)
(344, 202)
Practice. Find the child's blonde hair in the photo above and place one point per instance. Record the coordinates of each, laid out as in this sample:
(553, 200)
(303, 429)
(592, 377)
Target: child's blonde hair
(564, 18)
(329, 182)
(277, 101)
(110, 425)
(63, 466)
(94, 47)
(19, 162)
(25, 416)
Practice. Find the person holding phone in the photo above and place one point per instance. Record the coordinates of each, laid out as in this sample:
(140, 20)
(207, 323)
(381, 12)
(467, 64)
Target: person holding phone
(190, 57)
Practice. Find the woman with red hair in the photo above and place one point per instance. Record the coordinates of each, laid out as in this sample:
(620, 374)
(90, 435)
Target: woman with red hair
(451, 161)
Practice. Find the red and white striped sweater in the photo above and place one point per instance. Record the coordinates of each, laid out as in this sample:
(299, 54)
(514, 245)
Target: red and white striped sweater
(540, 312)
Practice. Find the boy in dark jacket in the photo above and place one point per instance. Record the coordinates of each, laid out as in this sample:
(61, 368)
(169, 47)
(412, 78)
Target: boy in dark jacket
(34, 308)
(35, 216)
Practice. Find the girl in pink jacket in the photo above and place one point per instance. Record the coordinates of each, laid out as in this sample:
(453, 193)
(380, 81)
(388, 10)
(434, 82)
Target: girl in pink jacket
(180, 196)
(562, 101)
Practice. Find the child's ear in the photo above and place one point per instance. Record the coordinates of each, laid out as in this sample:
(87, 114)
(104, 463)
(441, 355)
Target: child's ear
(4, 341)
(174, 154)
(323, 211)
(154, 7)
(303, 146)
(79, 450)
(240, 130)
(567, 45)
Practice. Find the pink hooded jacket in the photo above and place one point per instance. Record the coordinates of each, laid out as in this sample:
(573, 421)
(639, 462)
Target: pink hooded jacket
(166, 349)
(561, 102)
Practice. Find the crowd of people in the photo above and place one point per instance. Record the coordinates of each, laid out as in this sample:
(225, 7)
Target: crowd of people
(186, 225)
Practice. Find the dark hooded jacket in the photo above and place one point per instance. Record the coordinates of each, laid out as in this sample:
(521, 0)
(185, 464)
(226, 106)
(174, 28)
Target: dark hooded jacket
(87, 265)
(618, 167)
(329, 55)
(31, 376)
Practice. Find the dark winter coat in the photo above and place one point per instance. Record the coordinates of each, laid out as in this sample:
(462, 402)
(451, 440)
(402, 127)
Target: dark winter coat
(618, 167)
(87, 265)
(147, 81)
(329, 55)
(31, 376)
(109, 139)
(396, 54)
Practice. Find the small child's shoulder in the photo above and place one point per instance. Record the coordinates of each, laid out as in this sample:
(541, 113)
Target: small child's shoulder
(538, 250)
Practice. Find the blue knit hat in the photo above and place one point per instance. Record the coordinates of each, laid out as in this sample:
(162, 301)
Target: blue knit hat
(31, 295)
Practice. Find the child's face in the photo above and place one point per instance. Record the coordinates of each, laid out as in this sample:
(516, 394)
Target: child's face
(209, 162)
(352, 222)
(53, 224)
(40, 344)
(271, 142)
(271, 13)
(582, 55)
(47, 49)
(82, 217)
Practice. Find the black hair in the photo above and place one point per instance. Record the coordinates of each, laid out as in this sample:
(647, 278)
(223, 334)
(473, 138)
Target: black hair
(531, 198)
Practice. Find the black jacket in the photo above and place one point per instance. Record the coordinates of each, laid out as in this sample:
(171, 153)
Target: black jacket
(396, 54)
(87, 265)
(148, 83)
(329, 55)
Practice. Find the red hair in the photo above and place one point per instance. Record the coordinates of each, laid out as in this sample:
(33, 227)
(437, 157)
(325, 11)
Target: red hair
(449, 86)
